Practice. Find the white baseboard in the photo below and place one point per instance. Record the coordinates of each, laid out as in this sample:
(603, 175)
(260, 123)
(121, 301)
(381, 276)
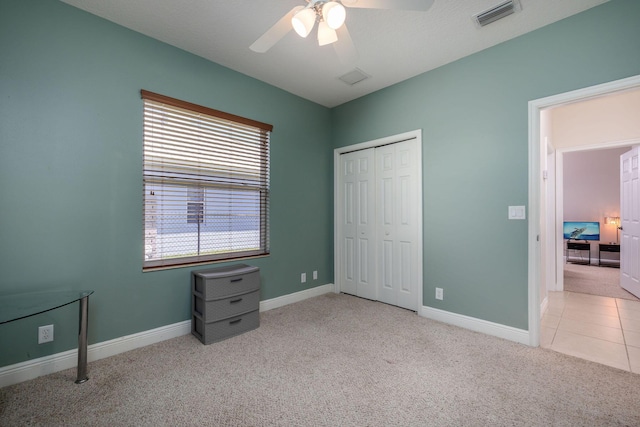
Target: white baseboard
(30, 369)
(495, 329)
(34, 368)
(296, 297)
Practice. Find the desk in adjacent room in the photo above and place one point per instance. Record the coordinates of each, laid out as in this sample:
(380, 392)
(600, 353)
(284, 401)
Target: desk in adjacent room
(579, 246)
(612, 248)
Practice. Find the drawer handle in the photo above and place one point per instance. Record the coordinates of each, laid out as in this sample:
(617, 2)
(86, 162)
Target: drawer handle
(235, 301)
(233, 322)
(238, 279)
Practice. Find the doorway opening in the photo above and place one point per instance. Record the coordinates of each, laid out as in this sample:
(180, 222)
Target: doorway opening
(588, 189)
(543, 232)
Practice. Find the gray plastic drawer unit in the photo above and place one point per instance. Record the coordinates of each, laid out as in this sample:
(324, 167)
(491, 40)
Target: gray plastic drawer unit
(219, 309)
(225, 302)
(226, 281)
(212, 332)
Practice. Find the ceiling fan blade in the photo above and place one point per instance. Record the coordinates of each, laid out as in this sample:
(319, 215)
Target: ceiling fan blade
(344, 47)
(275, 33)
(390, 4)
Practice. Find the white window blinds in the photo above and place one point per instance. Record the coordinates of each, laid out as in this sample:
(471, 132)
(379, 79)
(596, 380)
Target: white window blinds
(206, 184)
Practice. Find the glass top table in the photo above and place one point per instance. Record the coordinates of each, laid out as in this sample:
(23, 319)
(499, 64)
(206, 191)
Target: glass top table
(18, 306)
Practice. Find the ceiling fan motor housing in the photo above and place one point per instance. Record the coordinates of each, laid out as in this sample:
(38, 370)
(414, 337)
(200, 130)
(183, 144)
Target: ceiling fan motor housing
(330, 15)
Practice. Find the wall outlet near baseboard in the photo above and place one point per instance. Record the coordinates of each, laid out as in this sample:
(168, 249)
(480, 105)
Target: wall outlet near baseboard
(315, 274)
(45, 334)
(303, 277)
(439, 294)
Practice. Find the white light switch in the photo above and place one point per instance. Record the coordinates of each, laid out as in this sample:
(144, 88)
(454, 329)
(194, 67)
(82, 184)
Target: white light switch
(516, 212)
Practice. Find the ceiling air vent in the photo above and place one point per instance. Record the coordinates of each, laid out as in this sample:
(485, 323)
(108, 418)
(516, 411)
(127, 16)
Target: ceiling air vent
(353, 77)
(497, 12)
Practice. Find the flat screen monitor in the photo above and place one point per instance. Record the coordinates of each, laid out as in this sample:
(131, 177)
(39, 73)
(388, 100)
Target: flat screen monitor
(581, 230)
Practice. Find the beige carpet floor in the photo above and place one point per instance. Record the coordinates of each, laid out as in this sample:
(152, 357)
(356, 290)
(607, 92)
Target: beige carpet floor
(333, 360)
(595, 280)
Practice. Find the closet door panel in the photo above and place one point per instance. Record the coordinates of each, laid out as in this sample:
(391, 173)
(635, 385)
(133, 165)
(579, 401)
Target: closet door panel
(347, 224)
(356, 224)
(395, 208)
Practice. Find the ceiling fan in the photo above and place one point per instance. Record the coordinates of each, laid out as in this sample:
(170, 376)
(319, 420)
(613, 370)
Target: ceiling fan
(330, 15)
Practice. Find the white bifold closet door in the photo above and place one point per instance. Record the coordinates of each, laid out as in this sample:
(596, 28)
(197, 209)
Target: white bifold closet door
(378, 224)
(357, 222)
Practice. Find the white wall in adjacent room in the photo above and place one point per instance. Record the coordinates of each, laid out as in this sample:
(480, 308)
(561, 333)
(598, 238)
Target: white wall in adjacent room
(597, 121)
(592, 187)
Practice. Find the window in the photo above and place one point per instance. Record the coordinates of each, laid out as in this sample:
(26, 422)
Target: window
(206, 184)
(195, 206)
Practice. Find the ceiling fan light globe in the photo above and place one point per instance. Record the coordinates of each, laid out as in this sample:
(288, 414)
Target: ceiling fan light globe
(303, 21)
(334, 14)
(326, 35)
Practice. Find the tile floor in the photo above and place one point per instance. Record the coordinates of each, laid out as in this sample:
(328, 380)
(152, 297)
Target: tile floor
(600, 329)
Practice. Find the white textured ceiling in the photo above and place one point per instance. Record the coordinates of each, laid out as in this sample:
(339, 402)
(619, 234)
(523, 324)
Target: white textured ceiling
(393, 45)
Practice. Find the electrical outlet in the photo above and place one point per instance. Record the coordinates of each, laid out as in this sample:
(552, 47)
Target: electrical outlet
(439, 293)
(45, 334)
(315, 274)
(303, 277)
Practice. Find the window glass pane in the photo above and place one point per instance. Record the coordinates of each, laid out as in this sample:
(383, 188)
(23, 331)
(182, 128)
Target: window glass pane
(195, 205)
(206, 187)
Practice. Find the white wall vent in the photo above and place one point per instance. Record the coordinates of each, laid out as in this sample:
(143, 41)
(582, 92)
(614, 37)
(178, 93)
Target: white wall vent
(497, 12)
(353, 77)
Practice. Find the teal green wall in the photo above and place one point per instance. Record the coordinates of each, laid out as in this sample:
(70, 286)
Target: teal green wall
(71, 173)
(474, 117)
(71, 163)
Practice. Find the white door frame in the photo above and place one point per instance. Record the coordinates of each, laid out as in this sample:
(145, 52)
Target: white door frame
(337, 257)
(536, 220)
